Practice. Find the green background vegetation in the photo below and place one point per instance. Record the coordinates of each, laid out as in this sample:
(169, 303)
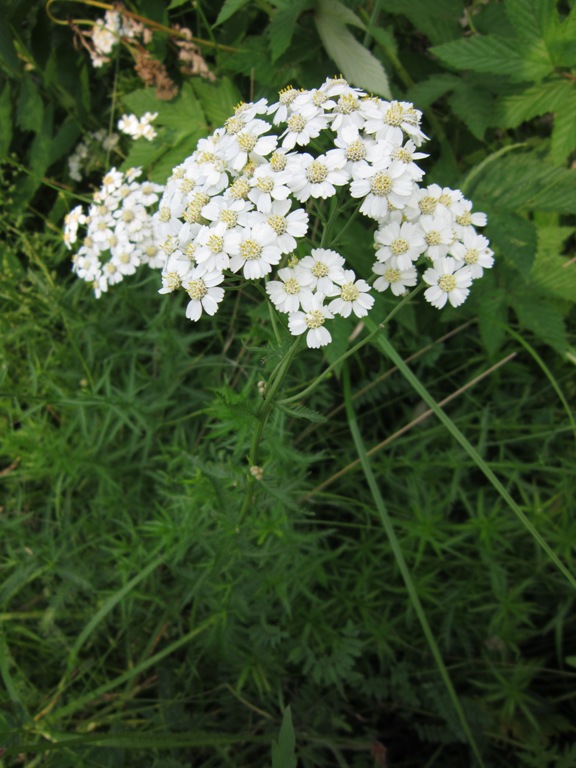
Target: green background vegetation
(401, 605)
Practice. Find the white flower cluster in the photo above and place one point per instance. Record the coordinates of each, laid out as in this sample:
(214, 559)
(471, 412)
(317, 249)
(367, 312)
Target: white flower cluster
(107, 32)
(244, 197)
(85, 152)
(119, 235)
(138, 128)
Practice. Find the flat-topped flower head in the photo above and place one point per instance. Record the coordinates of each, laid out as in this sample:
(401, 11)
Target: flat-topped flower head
(327, 270)
(394, 276)
(286, 293)
(311, 321)
(447, 282)
(354, 297)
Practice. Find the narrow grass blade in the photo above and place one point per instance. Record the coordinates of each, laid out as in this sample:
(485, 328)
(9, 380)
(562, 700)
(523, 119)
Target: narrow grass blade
(385, 345)
(404, 570)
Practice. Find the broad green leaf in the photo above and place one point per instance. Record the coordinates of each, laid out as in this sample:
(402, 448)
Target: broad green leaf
(552, 273)
(283, 754)
(5, 120)
(184, 114)
(384, 37)
(339, 12)
(513, 238)
(217, 99)
(543, 318)
(281, 28)
(228, 10)
(532, 19)
(355, 62)
(437, 19)
(564, 130)
(427, 91)
(492, 317)
(30, 110)
(498, 56)
(8, 55)
(178, 4)
(474, 106)
(525, 182)
(537, 100)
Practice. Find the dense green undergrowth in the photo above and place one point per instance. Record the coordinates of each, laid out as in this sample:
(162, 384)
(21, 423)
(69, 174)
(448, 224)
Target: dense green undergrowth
(148, 616)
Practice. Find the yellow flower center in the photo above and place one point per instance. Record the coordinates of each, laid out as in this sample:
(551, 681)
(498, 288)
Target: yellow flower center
(250, 250)
(278, 224)
(381, 184)
(399, 246)
(239, 189)
(292, 286)
(349, 292)
(316, 172)
(392, 275)
(347, 103)
(247, 142)
(296, 123)
(265, 184)
(433, 238)
(315, 319)
(465, 220)
(165, 214)
(320, 269)
(428, 205)
(230, 218)
(447, 283)
(471, 256)
(215, 243)
(278, 161)
(196, 289)
(234, 125)
(356, 151)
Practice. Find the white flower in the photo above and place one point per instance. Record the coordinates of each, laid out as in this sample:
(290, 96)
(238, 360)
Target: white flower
(282, 109)
(301, 129)
(71, 222)
(248, 142)
(467, 219)
(287, 292)
(267, 185)
(287, 226)
(326, 268)
(214, 245)
(403, 241)
(205, 295)
(438, 235)
(394, 277)
(473, 252)
(255, 252)
(382, 185)
(137, 128)
(407, 155)
(318, 176)
(311, 321)
(447, 283)
(354, 297)
(354, 148)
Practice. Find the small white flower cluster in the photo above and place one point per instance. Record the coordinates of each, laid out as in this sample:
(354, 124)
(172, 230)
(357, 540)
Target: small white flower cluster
(119, 235)
(106, 33)
(138, 128)
(85, 152)
(240, 202)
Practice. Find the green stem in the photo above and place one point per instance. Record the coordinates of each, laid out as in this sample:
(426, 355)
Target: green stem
(402, 565)
(264, 411)
(376, 329)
